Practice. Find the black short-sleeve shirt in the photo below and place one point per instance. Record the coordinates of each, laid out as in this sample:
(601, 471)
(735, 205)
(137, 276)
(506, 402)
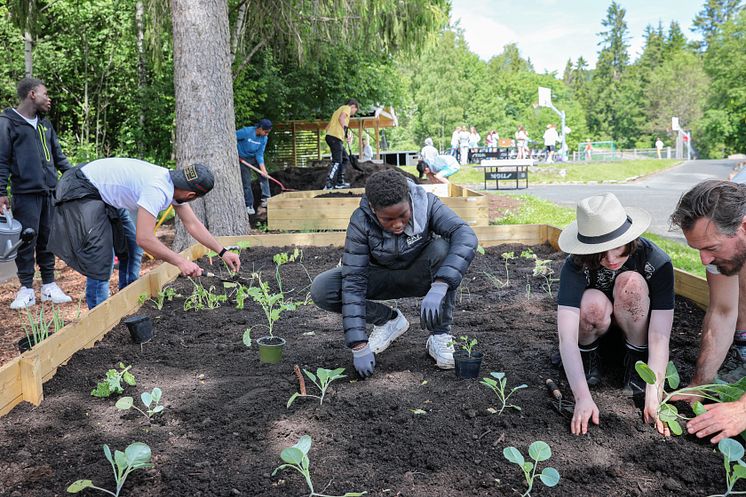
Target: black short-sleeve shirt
(649, 260)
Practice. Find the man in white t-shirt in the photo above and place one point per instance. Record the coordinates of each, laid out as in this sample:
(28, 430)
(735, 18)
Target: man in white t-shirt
(90, 200)
(551, 137)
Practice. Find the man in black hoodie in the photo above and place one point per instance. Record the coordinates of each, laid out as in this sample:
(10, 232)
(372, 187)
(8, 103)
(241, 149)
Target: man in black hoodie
(29, 154)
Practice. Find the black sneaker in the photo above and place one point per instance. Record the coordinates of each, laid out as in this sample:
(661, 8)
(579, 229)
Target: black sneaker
(633, 385)
(592, 366)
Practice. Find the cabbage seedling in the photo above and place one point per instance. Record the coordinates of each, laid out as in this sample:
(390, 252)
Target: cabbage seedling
(464, 343)
(507, 256)
(538, 451)
(321, 379)
(112, 384)
(151, 400)
(135, 456)
(497, 384)
(273, 304)
(714, 392)
(296, 457)
(732, 452)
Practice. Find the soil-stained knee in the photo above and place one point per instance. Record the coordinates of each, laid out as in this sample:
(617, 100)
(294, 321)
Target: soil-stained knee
(631, 295)
(595, 314)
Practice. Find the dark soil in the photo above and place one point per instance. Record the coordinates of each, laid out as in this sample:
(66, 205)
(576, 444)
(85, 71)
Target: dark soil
(314, 178)
(226, 420)
(339, 195)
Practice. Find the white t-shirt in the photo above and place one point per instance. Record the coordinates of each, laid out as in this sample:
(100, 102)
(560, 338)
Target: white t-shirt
(463, 138)
(659, 145)
(131, 183)
(428, 154)
(33, 122)
(550, 137)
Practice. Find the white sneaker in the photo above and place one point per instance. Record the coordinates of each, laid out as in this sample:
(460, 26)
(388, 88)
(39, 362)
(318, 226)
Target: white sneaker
(382, 336)
(250, 210)
(24, 298)
(440, 348)
(52, 292)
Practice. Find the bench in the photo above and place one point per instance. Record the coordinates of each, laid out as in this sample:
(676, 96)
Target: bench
(506, 170)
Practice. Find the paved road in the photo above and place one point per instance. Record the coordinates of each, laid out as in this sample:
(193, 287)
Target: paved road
(658, 194)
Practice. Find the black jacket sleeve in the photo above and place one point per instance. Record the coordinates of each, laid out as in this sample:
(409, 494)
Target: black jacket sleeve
(58, 156)
(6, 151)
(463, 241)
(355, 260)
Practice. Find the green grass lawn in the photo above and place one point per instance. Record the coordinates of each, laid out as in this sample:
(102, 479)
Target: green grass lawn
(537, 211)
(575, 173)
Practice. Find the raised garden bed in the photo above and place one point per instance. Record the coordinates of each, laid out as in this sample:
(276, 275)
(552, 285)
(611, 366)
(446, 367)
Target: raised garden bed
(314, 209)
(225, 419)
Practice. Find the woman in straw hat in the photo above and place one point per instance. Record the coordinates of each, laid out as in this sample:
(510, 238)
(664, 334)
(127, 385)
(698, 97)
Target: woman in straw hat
(613, 277)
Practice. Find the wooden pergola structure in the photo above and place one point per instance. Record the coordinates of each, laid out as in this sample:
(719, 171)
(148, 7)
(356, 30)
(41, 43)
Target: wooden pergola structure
(298, 141)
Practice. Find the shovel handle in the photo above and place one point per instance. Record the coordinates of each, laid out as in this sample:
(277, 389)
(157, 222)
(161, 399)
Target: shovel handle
(552, 387)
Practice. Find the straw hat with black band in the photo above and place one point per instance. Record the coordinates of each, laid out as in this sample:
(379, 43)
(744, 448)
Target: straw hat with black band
(602, 224)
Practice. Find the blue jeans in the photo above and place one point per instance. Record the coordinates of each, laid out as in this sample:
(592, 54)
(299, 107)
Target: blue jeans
(246, 176)
(96, 291)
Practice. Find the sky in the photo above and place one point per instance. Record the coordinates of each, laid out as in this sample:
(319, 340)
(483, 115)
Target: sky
(551, 31)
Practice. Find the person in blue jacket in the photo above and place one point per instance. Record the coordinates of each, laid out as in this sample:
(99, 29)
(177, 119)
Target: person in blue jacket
(252, 140)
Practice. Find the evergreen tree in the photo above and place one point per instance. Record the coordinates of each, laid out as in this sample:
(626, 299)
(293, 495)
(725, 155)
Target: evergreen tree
(713, 15)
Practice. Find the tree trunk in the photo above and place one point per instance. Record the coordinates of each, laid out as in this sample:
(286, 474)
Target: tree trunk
(142, 76)
(28, 54)
(205, 120)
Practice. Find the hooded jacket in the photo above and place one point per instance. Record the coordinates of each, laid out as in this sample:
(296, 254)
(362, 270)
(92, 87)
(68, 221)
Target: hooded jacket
(29, 156)
(367, 243)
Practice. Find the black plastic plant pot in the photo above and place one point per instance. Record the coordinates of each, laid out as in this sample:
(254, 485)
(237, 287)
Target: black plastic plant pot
(24, 344)
(141, 328)
(270, 349)
(465, 366)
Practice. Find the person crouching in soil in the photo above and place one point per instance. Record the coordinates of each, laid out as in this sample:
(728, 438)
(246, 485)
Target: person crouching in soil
(438, 168)
(613, 277)
(401, 242)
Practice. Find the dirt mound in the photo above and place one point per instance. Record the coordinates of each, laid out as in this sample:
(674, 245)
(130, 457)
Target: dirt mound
(314, 178)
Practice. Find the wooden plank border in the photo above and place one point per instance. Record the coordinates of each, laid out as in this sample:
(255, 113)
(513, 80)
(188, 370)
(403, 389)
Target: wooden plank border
(22, 378)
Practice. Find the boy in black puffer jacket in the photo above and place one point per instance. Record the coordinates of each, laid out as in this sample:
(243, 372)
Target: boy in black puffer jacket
(401, 242)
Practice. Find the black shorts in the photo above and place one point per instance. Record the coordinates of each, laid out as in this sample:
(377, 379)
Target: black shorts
(550, 148)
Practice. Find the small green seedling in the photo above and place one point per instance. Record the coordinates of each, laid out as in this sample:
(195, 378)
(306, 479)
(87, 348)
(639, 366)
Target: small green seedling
(495, 280)
(542, 268)
(480, 250)
(714, 392)
(112, 384)
(464, 343)
(151, 400)
(528, 254)
(135, 456)
(273, 304)
(507, 256)
(246, 338)
(242, 293)
(732, 452)
(296, 457)
(538, 451)
(283, 258)
(497, 384)
(37, 327)
(321, 379)
(167, 294)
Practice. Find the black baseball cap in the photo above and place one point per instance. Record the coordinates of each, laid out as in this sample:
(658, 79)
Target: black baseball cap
(195, 178)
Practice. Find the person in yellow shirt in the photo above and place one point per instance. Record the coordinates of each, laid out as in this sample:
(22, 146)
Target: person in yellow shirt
(336, 134)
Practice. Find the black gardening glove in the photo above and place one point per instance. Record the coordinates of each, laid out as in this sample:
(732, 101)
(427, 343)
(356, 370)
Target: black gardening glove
(432, 305)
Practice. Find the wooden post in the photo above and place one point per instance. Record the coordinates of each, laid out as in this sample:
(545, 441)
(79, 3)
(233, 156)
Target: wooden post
(378, 144)
(318, 143)
(31, 379)
(295, 158)
(360, 138)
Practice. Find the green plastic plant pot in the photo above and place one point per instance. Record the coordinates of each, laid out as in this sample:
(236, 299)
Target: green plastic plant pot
(465, 366)
(270, 349)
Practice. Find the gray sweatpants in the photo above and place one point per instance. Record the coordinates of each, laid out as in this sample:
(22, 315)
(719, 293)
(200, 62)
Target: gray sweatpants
(388, 284)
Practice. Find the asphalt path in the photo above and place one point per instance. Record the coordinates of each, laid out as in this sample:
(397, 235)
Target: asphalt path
(657, 193)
